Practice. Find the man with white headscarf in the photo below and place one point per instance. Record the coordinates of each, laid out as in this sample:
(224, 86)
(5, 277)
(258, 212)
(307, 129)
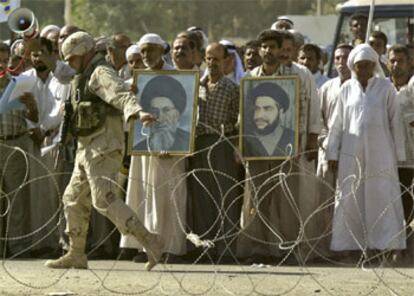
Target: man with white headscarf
(153, 189)
(233, 67)
(365, 141)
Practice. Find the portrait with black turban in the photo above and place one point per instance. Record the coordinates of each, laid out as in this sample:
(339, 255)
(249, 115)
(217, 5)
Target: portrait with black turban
(167, 87)
(266, 106)
(171, 97)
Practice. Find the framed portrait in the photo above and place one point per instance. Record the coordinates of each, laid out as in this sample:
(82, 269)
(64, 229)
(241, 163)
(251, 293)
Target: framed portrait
(269, 117)
(171, 96)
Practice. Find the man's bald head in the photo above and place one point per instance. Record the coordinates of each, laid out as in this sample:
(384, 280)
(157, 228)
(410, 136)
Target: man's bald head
(215, 46)
(216, 54)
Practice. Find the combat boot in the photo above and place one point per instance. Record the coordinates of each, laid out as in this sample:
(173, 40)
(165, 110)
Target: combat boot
(74, 258)
(69, 260)
(154, 248)
(150, 241)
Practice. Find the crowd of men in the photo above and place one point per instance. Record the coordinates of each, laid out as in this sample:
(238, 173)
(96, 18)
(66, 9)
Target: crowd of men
(346, 192)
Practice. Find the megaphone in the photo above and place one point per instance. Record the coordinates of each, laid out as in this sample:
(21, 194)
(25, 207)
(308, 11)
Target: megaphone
(23, 22)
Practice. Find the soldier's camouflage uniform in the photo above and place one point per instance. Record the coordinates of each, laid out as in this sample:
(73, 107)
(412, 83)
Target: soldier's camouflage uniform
(98, 127)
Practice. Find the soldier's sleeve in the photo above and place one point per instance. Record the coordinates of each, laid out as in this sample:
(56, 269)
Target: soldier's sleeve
(63, 72)
(106, 83)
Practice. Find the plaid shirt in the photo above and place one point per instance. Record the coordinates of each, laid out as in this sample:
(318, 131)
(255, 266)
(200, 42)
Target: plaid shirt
(12, 123)
(218, 108)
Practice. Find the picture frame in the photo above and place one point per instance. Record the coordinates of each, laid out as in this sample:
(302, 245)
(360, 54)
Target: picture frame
(269, 117)
(171, 96)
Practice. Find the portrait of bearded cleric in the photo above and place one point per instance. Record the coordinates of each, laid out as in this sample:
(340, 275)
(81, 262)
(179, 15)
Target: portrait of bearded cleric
(167, 98)
(268, 131)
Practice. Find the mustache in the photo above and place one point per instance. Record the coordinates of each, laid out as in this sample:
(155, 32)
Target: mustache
(261, 120)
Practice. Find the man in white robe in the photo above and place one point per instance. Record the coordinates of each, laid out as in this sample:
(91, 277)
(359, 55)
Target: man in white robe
(154, 190)
(365, 141)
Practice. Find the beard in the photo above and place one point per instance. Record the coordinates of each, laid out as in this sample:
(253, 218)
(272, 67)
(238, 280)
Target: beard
(162, 136)
(40, 68)
(268, 129)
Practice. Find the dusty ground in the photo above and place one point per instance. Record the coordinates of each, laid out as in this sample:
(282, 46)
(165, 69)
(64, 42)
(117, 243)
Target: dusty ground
(29, 277)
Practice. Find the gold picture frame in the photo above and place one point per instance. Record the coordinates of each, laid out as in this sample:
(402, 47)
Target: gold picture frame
(260, 137)
(171, 135)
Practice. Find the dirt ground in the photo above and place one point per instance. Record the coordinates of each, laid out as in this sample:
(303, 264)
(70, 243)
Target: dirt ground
(29, 277)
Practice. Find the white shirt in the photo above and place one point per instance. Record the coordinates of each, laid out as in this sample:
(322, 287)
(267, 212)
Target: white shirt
(328, 95)
(320, 79)
(405, 98)
(50, 96)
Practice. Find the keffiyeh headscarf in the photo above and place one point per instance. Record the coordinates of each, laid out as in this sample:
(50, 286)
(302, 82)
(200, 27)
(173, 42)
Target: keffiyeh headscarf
(238, 67)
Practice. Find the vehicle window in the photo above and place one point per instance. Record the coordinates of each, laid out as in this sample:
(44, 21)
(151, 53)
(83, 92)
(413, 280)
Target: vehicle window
(396, 29)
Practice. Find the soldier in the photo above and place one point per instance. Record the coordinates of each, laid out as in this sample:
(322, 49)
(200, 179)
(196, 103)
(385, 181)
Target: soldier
(98, 96)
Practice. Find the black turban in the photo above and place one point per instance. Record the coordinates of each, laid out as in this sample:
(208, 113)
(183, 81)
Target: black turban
(268, 89)
(164, 86)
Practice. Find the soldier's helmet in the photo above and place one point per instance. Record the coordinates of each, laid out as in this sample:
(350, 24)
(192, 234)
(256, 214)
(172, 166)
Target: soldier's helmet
(78, 43)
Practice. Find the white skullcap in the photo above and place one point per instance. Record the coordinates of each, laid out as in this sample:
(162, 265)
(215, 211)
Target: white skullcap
(151, 38)
(364, 52)
(228, 44)
(133, 49)
(49, 28)
(286, 19)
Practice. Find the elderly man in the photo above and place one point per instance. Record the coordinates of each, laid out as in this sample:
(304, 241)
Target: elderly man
(399, 67)
(310, 56)
(328, 95)
(214, 203)
(272, 202)
(98, 96)
(165, 98)
(365, 141)
(154, 190)
(269, 138)
(152, 48)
